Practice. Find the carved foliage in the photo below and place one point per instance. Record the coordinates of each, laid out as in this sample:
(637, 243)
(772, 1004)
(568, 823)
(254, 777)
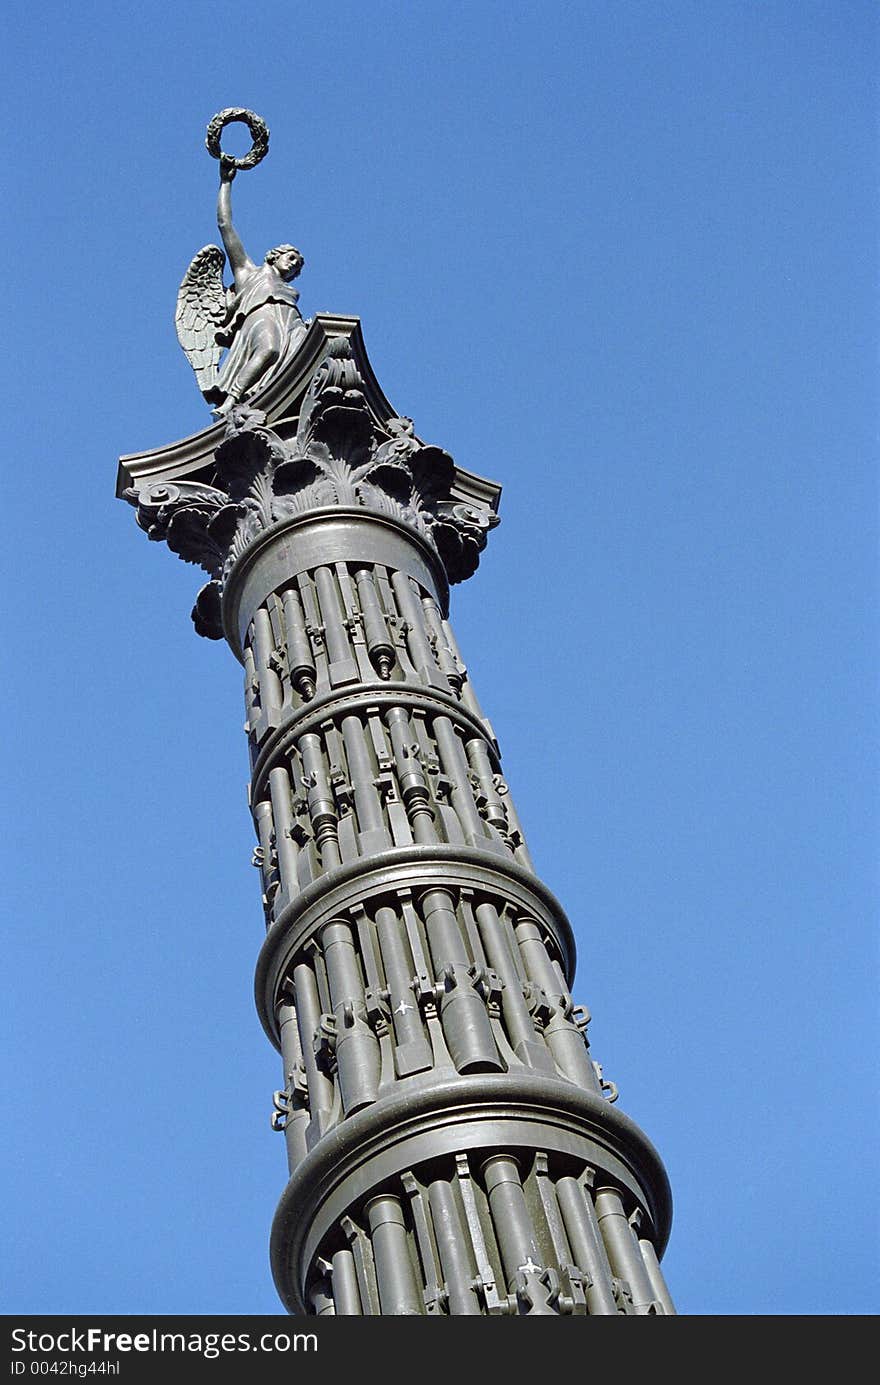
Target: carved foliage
(339, 456)
(197, 522)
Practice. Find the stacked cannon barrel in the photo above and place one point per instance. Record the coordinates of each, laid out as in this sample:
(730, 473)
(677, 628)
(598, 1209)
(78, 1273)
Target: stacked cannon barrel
(453, 1148)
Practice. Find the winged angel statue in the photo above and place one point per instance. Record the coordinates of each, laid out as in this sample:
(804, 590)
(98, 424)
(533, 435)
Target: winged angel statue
(256, 319)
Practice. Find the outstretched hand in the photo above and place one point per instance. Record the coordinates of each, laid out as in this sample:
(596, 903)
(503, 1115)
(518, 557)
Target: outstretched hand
(228, 169)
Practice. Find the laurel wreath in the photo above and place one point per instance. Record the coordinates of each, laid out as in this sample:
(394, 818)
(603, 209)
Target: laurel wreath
(259, 134)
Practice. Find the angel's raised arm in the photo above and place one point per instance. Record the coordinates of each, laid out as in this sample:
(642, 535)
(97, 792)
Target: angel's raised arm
(239, 260)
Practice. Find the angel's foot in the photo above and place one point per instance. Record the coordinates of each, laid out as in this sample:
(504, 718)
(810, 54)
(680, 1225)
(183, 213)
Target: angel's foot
(237, 415)
(221, 411)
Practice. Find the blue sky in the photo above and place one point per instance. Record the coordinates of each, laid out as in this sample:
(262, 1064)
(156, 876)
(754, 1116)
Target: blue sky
(621, 257)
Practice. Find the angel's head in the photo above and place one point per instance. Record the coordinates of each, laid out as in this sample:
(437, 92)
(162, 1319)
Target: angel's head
(285, 260)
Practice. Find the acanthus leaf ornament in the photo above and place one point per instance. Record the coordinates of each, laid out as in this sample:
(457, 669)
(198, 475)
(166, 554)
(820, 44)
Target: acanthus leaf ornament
(196, 521)
(339, 454)
(460, 532)
(206, 616)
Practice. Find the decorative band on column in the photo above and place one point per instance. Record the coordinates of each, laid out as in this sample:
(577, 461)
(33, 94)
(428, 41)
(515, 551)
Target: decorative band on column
(332, 533)
(417, 869)
(535, 1152)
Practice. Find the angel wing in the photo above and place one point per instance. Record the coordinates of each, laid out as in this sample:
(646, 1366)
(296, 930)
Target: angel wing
(201, 307)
